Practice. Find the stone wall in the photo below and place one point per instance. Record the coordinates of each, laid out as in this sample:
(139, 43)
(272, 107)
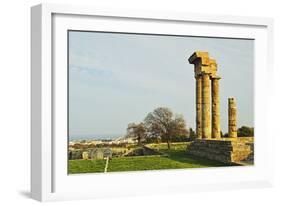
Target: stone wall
(144, 151)
(250, 157)
(224, 150)
(73, 155)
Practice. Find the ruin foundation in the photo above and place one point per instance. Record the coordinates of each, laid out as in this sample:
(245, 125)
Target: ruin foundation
(226, 150)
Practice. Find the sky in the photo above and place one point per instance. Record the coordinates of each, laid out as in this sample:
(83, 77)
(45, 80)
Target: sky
(116, 79)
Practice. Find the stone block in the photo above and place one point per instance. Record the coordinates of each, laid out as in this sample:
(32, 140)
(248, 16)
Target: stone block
(223, 150)
(85, 155)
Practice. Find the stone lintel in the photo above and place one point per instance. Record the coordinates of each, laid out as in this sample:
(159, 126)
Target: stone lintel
(203, 63)
(201, 56)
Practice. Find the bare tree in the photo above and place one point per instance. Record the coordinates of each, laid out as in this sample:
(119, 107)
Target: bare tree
(137, 131)
(162, 123)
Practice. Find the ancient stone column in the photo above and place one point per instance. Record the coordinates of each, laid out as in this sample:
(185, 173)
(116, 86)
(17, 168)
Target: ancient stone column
(232, 118)
(216, 128)
(201, 63)
(206, 112)
(199, 106)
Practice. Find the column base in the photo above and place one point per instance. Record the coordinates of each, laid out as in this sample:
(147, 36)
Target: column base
(226, 150)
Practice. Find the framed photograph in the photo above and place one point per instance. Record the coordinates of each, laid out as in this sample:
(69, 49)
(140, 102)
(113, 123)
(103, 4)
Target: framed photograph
(137, 102)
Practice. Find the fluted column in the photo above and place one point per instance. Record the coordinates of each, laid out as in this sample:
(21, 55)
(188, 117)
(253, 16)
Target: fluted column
(216, 128)
(206, 120)
(199, 106)
(232, 118)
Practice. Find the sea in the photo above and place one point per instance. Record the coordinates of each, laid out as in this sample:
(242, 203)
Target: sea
(95, 137)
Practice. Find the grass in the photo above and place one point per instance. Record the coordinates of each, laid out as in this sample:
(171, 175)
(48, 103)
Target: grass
(176, 159)
(85, 166)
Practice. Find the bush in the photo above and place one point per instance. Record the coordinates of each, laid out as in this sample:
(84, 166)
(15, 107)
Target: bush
(245, 131)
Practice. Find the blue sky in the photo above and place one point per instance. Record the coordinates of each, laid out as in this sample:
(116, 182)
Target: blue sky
(115, 79)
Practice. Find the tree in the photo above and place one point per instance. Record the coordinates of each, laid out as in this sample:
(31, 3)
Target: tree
(245, 131)
(192, 134)
(137, 131)
(162, 123)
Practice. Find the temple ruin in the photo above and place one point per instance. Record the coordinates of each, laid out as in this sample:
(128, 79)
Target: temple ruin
(209, 143)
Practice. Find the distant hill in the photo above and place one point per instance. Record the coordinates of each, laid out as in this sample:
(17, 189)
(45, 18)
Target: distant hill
(96, 137)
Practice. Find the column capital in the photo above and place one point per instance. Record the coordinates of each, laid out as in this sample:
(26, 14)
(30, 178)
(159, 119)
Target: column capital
(231, 100)
(201, 61)
(197, 76)
(215, 77)
(206, 73)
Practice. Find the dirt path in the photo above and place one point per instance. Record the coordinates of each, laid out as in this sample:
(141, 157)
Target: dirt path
(106, 165)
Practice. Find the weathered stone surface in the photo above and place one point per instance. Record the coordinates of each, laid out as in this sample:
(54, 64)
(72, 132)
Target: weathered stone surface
(203, 63)
(107, 152)
(199, 106)
(209, 143)
(232, 118)
(206, 108)
(216, 128)
(223, 150)
(251, 156)
(213, 68)
(85, 155)
(72, 155)
(96, 153)
(204, 69)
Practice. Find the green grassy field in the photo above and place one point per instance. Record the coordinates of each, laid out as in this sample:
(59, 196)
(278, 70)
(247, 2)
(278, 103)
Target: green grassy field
(176, 158)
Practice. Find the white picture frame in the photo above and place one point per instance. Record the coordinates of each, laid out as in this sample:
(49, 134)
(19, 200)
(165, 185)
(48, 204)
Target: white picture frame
(49, 179)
